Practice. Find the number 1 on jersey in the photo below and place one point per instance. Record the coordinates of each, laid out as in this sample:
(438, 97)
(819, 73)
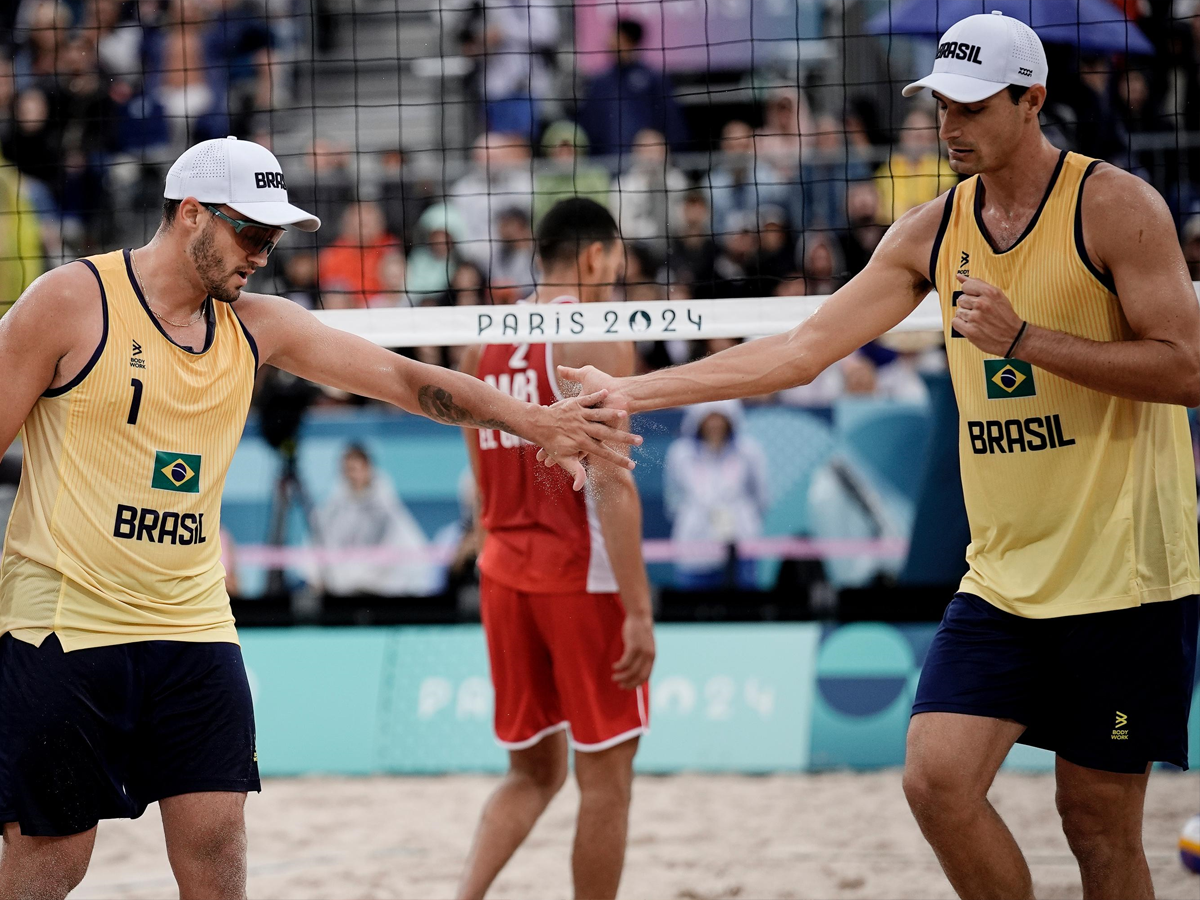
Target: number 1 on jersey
(136, 384)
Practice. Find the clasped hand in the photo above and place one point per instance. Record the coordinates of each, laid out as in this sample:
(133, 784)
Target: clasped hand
(583, 427)
(985, 317)
(599, 388)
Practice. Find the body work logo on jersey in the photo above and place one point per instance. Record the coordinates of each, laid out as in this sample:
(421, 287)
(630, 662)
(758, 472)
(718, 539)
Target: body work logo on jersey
(1008, 378)
(178, 472)
(136, 361)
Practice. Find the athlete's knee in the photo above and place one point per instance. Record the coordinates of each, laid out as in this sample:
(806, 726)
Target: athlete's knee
(547, 778)
(41, 868)
(1095, 829)
(545, 772)
(606, 776)
(935, 791)
(214, 850)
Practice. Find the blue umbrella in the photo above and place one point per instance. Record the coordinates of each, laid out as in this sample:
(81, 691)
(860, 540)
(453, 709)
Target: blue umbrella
(1095, 25)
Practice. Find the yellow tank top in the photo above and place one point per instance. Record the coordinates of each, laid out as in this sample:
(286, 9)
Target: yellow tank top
(114, 535)
(1078, 501)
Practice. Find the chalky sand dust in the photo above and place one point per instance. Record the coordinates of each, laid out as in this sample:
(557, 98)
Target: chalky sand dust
(838, 835)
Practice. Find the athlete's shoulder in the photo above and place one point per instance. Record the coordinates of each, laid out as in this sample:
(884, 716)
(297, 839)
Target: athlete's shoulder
(1112, 193)
(272, 321)
(1120, 213)
(913, 238)
(61, 301)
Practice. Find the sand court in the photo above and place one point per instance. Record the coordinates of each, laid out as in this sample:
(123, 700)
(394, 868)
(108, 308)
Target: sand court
(692, 837)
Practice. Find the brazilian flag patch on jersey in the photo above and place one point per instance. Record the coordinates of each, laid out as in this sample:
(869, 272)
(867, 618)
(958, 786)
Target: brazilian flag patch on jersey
(178, 472)
(1008, 378)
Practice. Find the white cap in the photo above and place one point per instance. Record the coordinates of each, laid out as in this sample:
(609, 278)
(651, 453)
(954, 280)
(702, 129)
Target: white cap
(981, 55)
(241, 174)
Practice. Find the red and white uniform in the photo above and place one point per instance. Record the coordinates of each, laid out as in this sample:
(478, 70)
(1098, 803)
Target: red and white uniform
(548, 596)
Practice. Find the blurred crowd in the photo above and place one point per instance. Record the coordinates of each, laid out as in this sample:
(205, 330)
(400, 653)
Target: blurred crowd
(97, 95)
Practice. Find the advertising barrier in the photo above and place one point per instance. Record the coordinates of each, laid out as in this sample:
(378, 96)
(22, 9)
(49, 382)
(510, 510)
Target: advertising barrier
(746, 698)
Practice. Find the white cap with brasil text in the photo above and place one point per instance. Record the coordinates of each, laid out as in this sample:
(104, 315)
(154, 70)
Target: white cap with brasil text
(982, 55)
(240, 174)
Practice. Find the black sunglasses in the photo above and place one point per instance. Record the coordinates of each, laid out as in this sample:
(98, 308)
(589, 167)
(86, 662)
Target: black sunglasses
(253, 237)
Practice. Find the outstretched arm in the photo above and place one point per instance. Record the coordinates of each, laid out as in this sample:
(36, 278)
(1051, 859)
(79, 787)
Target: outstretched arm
(1128, 230)
(873, 302)
(292, 339)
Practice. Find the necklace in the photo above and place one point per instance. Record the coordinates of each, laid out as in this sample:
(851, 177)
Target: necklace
(137, 273)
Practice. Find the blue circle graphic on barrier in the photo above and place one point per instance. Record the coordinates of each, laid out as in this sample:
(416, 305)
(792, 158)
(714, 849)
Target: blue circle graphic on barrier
(862, 669)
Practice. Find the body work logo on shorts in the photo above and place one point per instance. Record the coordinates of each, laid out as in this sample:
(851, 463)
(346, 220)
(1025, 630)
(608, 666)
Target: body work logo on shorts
(1121, 733)
(178, 472)
(1008, 378)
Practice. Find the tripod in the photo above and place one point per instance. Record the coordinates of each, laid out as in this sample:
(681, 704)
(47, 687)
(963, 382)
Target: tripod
(289, 490)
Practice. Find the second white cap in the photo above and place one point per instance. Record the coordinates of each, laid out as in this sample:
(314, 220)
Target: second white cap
(981, 55)
(240, 174)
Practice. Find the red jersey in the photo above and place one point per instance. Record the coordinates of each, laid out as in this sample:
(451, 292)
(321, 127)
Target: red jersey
(542, 536)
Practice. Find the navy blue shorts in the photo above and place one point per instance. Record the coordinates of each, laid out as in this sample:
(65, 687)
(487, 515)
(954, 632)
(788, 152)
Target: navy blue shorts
(1108, 690)
(103, 732)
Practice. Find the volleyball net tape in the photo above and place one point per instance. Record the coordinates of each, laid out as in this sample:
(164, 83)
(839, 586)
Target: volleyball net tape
(657, 320)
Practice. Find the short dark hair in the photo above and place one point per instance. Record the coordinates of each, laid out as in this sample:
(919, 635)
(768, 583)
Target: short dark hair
(632, 29)
(357, 450)
(1016, 92)
(170, 208)
(570, 227)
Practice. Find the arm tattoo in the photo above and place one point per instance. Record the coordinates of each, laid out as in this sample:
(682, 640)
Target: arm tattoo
(438, 403)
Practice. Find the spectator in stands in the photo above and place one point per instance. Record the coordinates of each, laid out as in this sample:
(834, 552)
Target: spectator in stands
(349, 267)
(567, 173)
(715, 492)
(499, 178)
(89, 115)
(36, 61)
(325, 184)
(640, 281)
(1099, 130)
(776, 250)
(435, 260)
(629, 98)
(365, 511)
(649, 194)
(740, 182)
(118, 40)
(836, 160)
(32, 145)
(915, 173)
(403, 199)
(299, 279)
(863, 231)
(821, 261)
(392, 280)
(21, 253)
(735, 266)
(787, 129)
(240, 37)
(184, 68)
(512, 255)
(514, 42)
(792, 285)
(693, 252)
(468, 287)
